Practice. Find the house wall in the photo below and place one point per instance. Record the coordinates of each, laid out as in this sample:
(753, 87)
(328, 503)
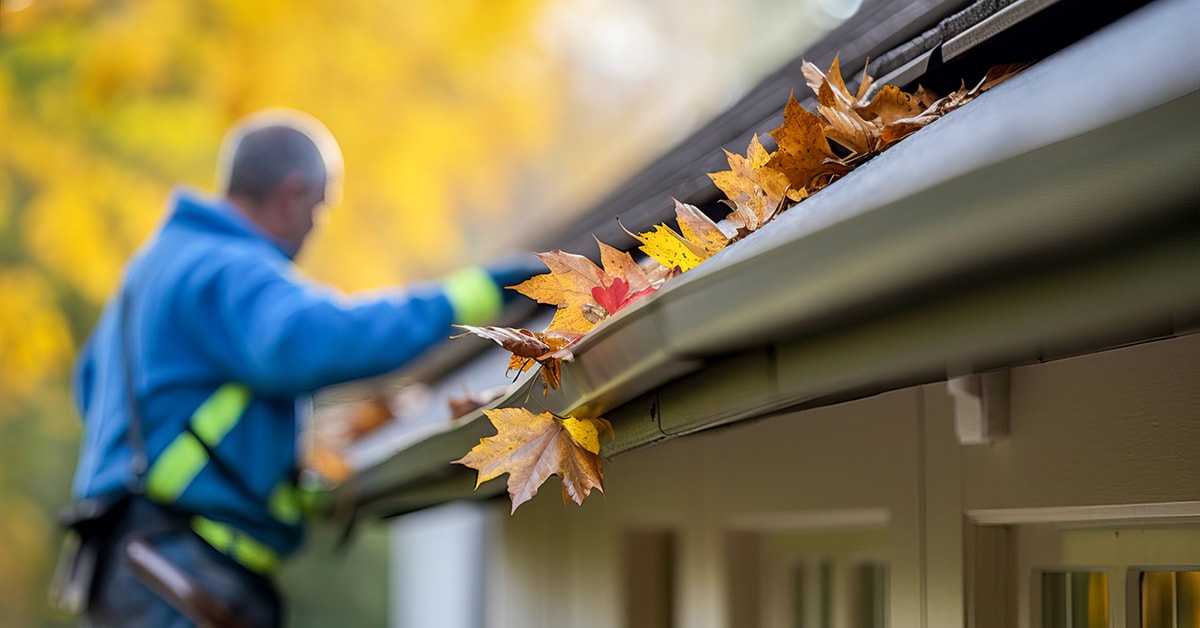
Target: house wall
(878, 478)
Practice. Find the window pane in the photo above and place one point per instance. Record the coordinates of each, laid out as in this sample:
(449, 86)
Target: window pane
(1076, 599)
(812, 593)
(649, 579)
(872, 595)
(1170, 599)
(1187, 586)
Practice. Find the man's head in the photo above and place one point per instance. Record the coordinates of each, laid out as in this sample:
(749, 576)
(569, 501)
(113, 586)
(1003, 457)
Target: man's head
(280, 167)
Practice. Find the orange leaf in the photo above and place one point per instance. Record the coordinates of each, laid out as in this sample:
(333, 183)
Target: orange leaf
(569, 286)
(532, 447)
(804, 153)
(891, 104)
(755, 186)
(330, 464)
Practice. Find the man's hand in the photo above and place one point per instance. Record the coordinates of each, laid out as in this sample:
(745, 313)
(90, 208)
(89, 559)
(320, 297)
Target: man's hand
(478, 293)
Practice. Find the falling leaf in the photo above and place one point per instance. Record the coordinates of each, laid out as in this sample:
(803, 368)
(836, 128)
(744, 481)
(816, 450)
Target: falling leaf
(532, 447)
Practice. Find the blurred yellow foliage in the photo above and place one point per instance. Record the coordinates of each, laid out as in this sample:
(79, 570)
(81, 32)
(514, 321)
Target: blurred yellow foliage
(34, 342)
(441, 106)
(443, 109)
(24, 532)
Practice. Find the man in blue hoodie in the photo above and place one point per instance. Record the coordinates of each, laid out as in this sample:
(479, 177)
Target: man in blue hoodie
(217, 339)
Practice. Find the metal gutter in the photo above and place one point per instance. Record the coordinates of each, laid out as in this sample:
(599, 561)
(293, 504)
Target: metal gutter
(1055, 214)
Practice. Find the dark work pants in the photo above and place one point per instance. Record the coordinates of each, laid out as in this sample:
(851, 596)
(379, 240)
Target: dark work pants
(120, 599)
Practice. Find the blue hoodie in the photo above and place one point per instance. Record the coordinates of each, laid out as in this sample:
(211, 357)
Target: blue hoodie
(214, 300)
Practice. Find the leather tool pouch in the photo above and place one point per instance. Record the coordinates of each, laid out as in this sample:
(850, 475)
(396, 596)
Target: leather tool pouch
(87, 522)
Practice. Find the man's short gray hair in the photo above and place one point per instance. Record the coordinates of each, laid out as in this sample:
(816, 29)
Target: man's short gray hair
(261, 150)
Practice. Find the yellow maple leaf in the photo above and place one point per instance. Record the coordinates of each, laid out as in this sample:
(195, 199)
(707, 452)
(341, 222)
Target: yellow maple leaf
(531, 447)
(670, 249)
(699, 229)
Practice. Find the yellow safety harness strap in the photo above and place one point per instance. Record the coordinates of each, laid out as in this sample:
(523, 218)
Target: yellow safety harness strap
(237, 545)
(185, 456)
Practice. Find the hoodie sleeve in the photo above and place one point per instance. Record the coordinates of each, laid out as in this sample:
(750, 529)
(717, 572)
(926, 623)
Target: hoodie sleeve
(281, 335)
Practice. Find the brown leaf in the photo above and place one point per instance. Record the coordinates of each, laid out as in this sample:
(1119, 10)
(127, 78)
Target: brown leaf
(925, 97)
(530, 448)
(997, 74)
(520, 342)
(528, 347)
(804, 153)
(892, 104)
(899, 129)
(843, 124)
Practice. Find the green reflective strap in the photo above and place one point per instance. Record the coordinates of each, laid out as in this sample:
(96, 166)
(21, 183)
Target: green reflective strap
(220, 412)
(175, 468)
(184, 457)
(284, 503)
(475, 297)
(237, 545)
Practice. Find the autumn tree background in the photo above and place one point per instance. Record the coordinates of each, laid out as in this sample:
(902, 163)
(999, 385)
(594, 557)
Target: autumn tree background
(468, 128)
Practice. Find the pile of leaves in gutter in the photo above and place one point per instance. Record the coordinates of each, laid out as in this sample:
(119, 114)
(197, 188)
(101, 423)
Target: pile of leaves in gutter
(813, 150)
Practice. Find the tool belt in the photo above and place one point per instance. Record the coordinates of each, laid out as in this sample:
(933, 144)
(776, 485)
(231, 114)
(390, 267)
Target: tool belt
(129, 529)
(88, 524)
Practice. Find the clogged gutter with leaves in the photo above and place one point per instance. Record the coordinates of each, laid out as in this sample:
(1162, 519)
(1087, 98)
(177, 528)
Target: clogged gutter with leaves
(813, 150)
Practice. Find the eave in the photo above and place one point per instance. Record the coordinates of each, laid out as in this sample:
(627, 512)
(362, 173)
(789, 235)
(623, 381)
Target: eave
(1054, 215)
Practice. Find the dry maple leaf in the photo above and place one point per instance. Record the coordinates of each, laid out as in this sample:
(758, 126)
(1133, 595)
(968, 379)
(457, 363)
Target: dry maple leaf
(698, 239)
(892, 104)
(840, 109)
(531, 447)
(755, 188)
(670, 249)
(699, 229)
(528, 347)
(571, 283)
(804, 156)
(568, 285)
